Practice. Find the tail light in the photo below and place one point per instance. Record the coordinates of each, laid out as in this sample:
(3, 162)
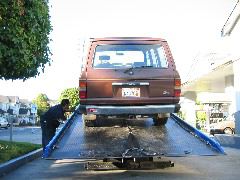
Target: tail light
(177, 87)
(82, 90)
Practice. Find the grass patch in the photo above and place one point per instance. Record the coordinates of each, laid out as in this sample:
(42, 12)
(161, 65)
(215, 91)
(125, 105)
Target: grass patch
(11, 150)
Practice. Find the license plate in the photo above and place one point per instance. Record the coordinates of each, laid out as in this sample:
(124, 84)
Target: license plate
(130, 92)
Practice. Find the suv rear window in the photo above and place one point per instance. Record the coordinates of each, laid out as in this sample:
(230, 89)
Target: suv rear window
(125, 56)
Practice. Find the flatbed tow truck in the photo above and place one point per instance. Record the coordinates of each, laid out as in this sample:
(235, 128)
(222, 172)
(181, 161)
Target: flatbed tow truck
(129, 143)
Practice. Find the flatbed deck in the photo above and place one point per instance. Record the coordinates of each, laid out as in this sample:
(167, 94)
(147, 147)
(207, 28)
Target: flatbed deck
(128, 138)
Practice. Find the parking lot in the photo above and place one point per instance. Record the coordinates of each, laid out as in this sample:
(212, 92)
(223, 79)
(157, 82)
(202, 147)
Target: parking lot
(31, 134)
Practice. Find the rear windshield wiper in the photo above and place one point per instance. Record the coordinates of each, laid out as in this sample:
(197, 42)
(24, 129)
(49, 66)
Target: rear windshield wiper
(128, 69)
(133, 67)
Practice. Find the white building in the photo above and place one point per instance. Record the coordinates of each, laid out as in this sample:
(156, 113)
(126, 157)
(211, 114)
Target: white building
(219, 74)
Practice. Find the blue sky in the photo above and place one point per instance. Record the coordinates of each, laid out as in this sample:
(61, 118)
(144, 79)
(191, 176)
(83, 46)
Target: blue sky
(190, 27)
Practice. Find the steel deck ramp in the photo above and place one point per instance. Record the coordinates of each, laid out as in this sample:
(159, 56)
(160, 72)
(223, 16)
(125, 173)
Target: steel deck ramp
(130, 138)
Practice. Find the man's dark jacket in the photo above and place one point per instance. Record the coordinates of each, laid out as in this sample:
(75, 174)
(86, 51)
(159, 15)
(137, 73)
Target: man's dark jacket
(53, 115)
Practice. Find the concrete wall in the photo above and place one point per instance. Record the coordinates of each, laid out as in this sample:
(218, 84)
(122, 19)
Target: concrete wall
(237, 95)
(232, 39)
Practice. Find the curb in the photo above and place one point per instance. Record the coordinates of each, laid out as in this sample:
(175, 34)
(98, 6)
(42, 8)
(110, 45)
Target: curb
(15, 163)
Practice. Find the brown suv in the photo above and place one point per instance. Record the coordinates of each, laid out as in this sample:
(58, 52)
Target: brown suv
(125, 77)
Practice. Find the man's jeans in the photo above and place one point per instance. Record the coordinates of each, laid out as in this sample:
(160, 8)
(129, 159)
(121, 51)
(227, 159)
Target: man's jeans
(47, 133)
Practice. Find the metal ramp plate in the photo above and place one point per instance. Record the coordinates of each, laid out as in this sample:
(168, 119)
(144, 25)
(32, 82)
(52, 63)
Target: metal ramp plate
(111, 139)
(117, 164)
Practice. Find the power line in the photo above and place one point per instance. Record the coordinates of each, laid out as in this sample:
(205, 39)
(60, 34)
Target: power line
(229, 18)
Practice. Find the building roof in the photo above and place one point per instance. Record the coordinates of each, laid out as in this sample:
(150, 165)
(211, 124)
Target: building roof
(24, 101)
(13, 99)
(4, 99)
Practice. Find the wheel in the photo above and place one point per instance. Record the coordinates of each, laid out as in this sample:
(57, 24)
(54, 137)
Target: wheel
(90, 123)
(228, 130)
(160, 121)
(89, 120)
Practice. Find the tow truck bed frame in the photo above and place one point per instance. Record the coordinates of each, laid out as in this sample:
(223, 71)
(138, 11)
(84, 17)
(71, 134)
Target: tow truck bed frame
(132, 143)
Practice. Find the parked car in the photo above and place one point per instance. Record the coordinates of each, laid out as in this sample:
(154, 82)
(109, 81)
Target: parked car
(4, 123)
(226, 126)
(129, 77)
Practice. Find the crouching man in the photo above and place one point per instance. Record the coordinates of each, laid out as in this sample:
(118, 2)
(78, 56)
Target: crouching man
(50, 121)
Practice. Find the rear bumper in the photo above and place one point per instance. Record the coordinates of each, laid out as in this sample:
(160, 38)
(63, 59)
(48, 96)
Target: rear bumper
(114, 110)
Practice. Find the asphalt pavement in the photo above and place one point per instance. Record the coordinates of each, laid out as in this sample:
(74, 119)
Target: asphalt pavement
(189, 167)
(31, 134)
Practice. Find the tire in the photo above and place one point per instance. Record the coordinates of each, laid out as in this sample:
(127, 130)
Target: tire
(89, 120)
(159, 121)
(228, 130)
(90, 123)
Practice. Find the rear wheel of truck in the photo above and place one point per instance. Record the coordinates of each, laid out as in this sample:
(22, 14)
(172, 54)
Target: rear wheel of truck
(159, 121)
(89, 120)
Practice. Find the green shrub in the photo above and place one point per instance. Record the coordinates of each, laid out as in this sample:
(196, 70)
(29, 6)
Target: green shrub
(11, 150)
